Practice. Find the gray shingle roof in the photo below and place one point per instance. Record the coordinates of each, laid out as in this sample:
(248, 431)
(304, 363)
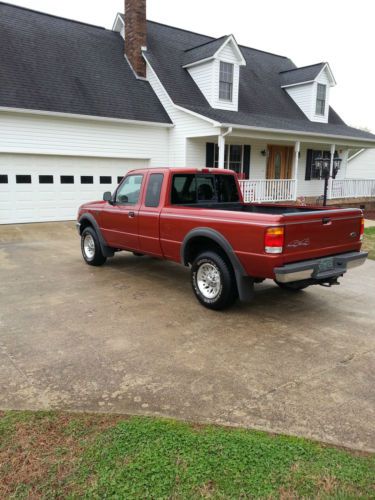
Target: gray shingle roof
(262, 101)
(204, 51)
(53, 64)
(299, 75)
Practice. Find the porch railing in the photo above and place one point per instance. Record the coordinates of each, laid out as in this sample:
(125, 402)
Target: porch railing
(353, 188)
(263, 190)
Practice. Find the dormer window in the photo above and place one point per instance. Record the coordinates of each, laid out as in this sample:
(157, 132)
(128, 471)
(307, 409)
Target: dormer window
(321, 99)
(226, 81)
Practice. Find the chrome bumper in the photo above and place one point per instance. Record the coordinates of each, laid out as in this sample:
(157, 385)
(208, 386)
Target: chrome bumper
(320, 269)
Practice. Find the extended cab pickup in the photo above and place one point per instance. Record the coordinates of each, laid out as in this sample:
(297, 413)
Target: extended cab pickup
(197, 217)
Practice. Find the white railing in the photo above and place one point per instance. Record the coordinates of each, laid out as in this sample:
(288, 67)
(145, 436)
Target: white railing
(261, 190)
(353, 188)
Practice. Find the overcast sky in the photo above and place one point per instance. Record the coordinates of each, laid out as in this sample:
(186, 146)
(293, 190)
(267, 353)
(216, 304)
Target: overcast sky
(341, 32)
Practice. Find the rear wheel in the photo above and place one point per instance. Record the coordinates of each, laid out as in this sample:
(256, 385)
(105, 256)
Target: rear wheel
(90, 246)
(213, 281)
(294, 286)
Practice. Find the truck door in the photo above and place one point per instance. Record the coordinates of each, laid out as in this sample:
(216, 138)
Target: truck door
(120, 223)
(149, 215)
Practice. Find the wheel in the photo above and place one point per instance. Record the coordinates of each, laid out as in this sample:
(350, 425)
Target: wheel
(294, 286)
(90, 246)
(213, 281)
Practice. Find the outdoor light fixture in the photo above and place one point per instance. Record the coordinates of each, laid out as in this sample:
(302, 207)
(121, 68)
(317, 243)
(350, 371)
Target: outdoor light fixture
(263, 152)
(324, 166)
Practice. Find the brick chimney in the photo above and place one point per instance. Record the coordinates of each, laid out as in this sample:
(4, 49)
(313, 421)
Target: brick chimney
(136, 34)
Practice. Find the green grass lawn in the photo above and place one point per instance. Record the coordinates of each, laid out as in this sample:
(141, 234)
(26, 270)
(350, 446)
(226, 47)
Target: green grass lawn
(369, 242)
(55, 455)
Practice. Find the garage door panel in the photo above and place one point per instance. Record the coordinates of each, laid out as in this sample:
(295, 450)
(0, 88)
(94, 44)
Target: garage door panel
(43, 200)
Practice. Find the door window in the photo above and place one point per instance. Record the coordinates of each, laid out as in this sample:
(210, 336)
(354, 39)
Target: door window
(153, 190)
(277, 165)
(129, 191)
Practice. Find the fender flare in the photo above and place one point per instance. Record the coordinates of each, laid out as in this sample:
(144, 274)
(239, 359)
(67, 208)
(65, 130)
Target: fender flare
(245, 284)
(106, 250)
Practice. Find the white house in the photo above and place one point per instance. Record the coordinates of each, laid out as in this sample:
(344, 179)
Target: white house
(81, 105)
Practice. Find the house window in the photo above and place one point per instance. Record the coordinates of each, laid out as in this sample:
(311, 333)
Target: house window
(233, 157)
(3, 179)
(87, 179)
(312, 172)
(226, 81)
(321, 99)
(23, 179)
(105, 179)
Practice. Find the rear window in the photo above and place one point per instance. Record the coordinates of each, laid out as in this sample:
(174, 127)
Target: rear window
(189, 189)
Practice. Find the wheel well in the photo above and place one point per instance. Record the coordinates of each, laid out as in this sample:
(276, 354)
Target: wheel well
(84, 223)
(199, 244)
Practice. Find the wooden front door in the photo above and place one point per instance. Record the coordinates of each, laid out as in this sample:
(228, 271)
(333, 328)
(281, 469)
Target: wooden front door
(279, 164)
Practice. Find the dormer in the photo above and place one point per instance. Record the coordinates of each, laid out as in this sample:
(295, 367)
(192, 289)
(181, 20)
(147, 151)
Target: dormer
(309, 87)
(215, 68)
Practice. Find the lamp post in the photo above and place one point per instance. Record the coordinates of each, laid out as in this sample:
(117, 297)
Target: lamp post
(324, 165)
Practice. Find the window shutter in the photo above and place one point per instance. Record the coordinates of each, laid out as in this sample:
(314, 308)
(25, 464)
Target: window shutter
(210, 150)
(246, 160)
(309, 157)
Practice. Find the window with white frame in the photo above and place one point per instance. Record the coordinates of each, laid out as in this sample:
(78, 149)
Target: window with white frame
(321, 99)
(226, 81)
(233, 157)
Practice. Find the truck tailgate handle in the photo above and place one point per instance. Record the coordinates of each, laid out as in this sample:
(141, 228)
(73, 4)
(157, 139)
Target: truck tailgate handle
(326, 221)
(131, 215)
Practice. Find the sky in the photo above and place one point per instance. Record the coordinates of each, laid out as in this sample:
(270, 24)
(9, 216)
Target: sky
(341, 32)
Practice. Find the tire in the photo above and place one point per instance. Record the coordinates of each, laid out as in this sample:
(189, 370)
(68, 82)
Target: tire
(213, 281)
(90, 247)
(293, 286)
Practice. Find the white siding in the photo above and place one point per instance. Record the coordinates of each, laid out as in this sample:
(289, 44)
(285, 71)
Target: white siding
(203, 76)
(303, 96)
(182, 151)
(362, 166)
(37, 134)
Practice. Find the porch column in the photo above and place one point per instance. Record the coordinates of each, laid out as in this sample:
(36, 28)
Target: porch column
(221, 143)
(297, 148)
(330, 180)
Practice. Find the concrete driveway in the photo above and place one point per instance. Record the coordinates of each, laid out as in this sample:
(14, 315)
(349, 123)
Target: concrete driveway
(131, 338)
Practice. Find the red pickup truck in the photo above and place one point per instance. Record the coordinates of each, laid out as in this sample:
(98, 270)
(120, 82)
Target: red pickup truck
(197, 217)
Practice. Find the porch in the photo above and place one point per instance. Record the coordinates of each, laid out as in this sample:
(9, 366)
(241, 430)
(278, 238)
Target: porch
(272, 168)
(271, 190)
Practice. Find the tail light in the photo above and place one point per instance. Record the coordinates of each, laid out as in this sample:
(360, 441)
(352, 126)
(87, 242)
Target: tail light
(362, 230)
(274, 240)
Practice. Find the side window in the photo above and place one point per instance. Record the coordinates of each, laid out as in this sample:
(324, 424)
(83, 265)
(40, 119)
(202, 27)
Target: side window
(153, 190)
(129, 191)
(184, 189)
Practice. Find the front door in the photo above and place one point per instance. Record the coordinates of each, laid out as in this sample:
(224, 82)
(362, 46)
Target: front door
(279, 165)
(120, 219)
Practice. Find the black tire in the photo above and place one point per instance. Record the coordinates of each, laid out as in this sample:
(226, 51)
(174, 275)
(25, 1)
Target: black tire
(293, 286)
(224, 288)
(94, 257)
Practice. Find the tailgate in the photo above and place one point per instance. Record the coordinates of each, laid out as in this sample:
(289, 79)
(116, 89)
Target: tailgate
(324, 232)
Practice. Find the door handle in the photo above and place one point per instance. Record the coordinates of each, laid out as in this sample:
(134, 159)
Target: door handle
(131, 215)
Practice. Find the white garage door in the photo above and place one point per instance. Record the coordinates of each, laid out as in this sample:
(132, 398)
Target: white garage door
(51, 188)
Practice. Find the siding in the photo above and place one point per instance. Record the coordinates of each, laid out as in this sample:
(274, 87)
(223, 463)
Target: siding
(362, 166)
(203, 76)
(183, 151)
(36, 134)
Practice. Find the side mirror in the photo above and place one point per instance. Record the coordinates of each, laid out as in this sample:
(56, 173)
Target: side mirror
(107, 196)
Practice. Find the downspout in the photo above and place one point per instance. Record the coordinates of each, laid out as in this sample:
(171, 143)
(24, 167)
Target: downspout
(221, 143)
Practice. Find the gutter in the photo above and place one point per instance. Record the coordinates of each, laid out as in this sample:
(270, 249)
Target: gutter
(293, 132)
(57, 114)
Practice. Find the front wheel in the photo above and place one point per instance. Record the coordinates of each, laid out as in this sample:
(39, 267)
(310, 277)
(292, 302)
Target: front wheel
(213, 281)
(294, 286)
(90, 246)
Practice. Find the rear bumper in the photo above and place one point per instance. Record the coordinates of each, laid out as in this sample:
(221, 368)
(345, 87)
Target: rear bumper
(320, 269)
